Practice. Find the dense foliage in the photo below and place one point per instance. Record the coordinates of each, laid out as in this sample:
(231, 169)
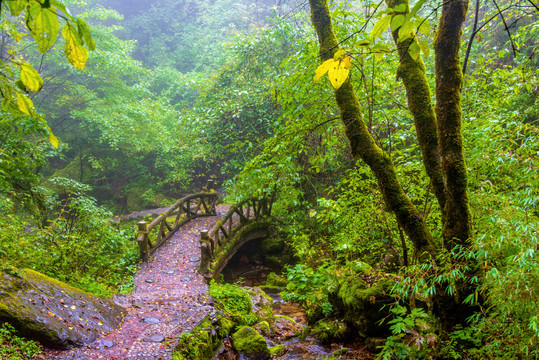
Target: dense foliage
(176, 92)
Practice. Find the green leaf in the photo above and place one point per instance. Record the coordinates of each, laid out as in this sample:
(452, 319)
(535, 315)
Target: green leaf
(400, 8)
(422, 26)
(416, 8)
(339, 54)
(414, 50)
(380, 26)
(74, 52)
(362, 43)
(397, 22)
(24, 103)
(381, 48)
(30, 77)
(424, 46)
(43, 25)
(406, 31)
(85, 34)
(63, 8)
(16, 6)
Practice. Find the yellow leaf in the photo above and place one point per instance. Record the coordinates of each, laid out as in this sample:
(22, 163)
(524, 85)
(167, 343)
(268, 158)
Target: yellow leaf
(322, 69)
(53, 139)
(338, 72)
(24, 103)
(30, 77)
(74, 52)
(414, 50)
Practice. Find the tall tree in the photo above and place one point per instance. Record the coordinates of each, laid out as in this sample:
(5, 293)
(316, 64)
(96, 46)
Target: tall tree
(438, 128)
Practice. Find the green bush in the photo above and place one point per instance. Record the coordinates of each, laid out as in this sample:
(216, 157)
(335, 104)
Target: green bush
(13, 347)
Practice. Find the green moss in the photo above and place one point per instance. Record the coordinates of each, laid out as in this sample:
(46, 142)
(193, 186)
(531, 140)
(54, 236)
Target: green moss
(264, 328)
(341, 351)
(273, 261)
(272, 245)
(278, 350)
(329, 331)
(225, 326)
(286, 317)
(248, 341)
(276, 280)
(199, 344)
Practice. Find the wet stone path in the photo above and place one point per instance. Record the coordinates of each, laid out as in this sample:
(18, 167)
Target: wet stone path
(169, 299)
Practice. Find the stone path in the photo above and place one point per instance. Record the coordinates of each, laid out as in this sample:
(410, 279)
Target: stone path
(169, 299)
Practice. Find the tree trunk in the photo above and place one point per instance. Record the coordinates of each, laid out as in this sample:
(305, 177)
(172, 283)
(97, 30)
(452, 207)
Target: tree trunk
(457, 227)
(363, 145)
(414, 78)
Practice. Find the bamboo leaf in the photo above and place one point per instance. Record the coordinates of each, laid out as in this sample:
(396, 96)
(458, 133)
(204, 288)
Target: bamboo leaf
(30, 77)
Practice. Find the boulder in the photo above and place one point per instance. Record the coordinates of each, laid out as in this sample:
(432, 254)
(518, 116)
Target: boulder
(248, 341)
(52, 312)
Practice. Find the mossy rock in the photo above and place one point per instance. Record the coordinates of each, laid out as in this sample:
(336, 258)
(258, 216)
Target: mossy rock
(264, 328)
(272, 245)
(276, 280)
(273, 261)
(278, 350)
(199, 344)
(52, 312)
(330, 331)
(363, 305)
(248, 341)
(262, 305)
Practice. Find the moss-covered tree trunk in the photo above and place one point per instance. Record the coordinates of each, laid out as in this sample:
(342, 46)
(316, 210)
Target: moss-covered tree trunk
(457, 228)
(363, 145)
(439, 135)
(413, 75)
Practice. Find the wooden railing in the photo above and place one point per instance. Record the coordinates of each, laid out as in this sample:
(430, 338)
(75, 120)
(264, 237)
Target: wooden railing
(237, 217)
(152, 236)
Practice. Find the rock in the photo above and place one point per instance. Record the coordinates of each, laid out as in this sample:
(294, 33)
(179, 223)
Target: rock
(105, 344)
(151, 320)
(185, 279)
(154, 338)
(244, 260)
(194, 259)
(276, 280)
(52, 312)
(149, 281)
(248, 341)
(278, 350)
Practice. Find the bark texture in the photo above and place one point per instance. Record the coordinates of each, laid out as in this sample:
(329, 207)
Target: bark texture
(414, 78)
(457, 228)
(363, 145)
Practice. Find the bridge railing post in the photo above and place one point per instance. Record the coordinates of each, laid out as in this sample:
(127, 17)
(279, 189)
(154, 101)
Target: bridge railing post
(143, 241)
(205, 252)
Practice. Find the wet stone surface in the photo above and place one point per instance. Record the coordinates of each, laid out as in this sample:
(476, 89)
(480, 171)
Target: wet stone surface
(176, 298)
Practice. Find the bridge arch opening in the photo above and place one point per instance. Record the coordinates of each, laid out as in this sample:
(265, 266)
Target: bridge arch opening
(254, 260)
